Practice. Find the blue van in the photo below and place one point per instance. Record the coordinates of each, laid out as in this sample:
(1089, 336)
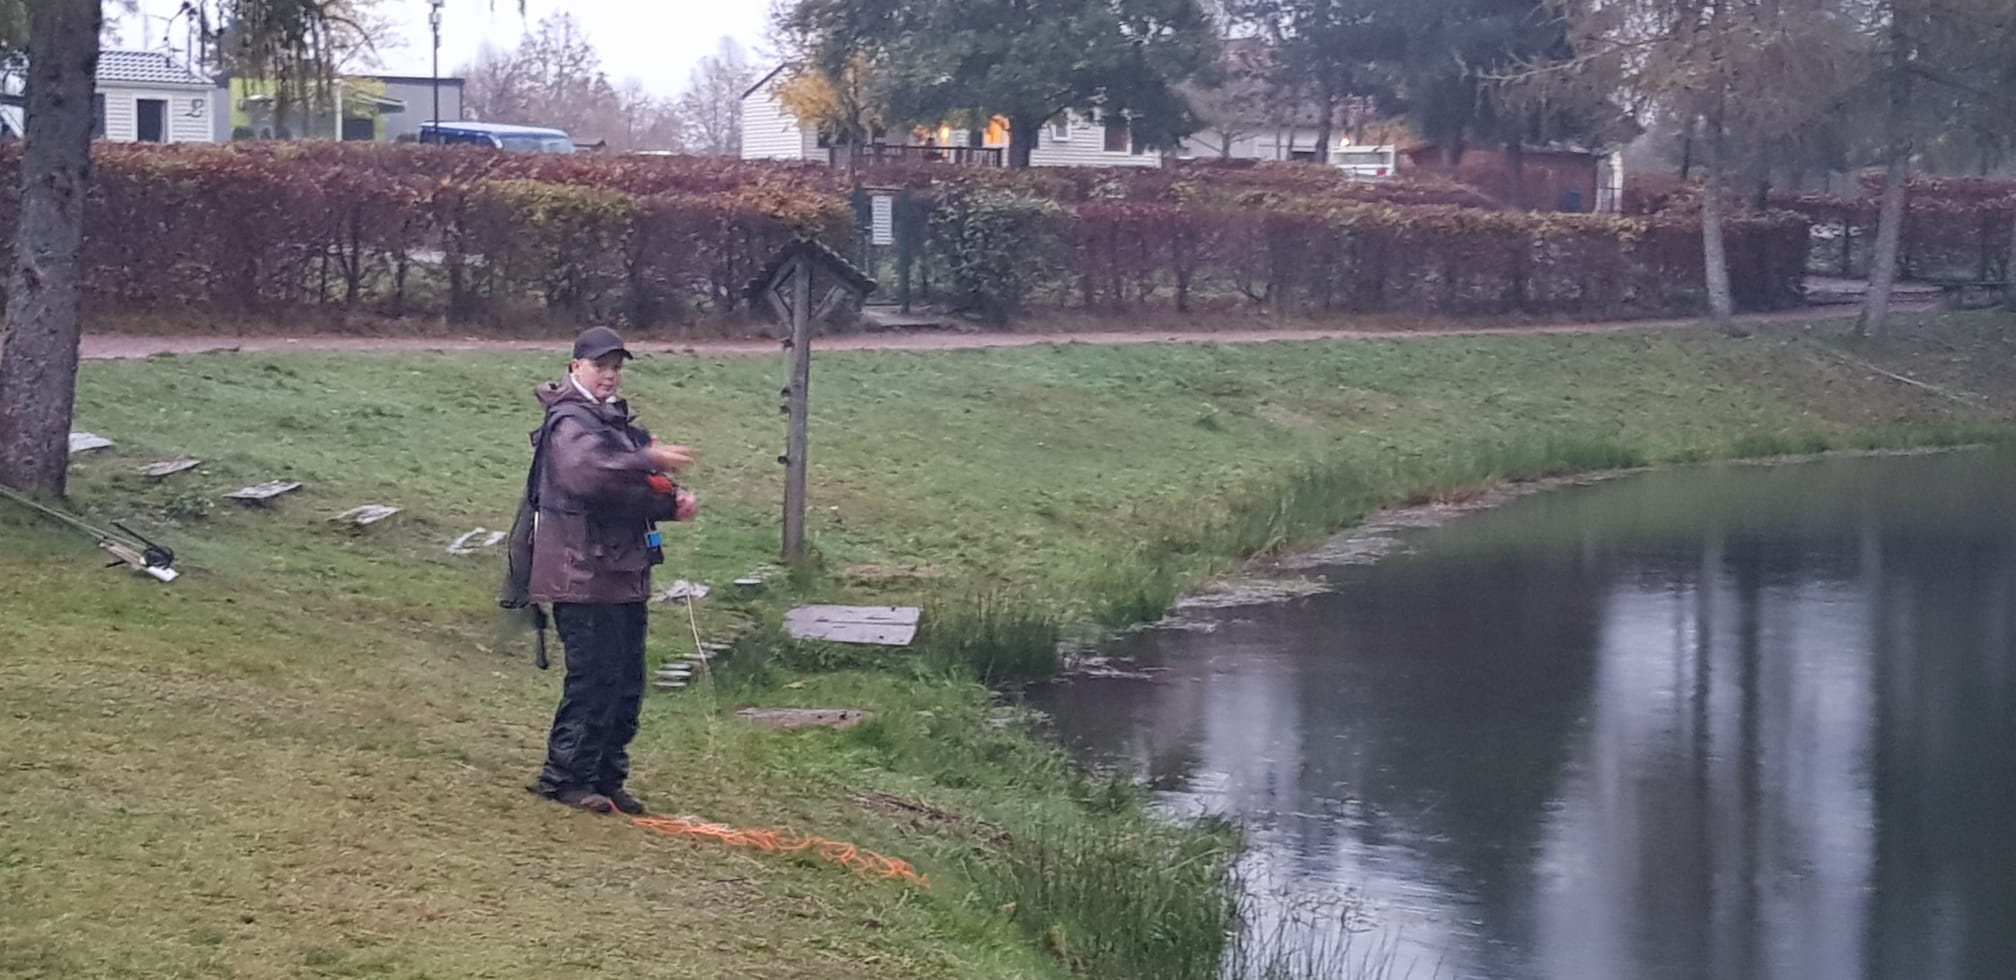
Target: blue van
(514, 139)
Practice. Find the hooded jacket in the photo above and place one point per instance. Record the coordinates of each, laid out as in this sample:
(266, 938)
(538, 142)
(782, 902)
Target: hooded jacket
(595, 503)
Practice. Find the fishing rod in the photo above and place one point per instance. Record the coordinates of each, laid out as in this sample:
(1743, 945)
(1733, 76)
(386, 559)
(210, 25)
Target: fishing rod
(128, 546)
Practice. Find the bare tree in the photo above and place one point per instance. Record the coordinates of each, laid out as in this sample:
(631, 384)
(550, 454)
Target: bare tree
(1319, 53)
(494, 86)
(1897, 127)
(1947, 66)
(299, 74)
(711, 107)
(554, 77)
(1243, 100)
(648, 122)
(1757, 68)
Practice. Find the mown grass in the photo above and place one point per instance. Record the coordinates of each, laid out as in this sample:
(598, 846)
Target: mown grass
(307, 756)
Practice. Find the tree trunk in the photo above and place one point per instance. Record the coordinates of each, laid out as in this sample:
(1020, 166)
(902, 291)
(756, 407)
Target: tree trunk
(1896, 176)
(1889, 232)
(1327, 98)
(1022, 140)
(1714, 251)
(38, 358)
(1515, 176)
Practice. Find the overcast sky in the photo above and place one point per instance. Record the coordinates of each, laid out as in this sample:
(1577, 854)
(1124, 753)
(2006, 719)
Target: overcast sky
(656, 42)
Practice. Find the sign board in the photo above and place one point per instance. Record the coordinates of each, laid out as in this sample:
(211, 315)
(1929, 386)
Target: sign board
(882, 223)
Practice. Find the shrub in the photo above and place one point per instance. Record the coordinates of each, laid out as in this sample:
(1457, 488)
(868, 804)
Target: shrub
(995, 248)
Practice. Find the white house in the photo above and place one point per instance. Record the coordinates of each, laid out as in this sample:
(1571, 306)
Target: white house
(149, 97)
(771, 132)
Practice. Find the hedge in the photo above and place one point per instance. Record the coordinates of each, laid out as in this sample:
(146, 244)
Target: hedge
(269, 230)
(1955, 228)
(263, 232)
(1363, 259)
(1962, 236)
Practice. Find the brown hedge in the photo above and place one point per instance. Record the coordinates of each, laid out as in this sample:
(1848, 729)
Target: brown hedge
(1443, 260)
(1955, 228)
(263, 230)
(402, 230)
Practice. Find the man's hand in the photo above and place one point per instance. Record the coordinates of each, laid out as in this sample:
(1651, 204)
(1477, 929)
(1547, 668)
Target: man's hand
(668, 458)
(688, 506)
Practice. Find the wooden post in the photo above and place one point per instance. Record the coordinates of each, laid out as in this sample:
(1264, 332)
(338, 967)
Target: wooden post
(786, 287)
(800, 409)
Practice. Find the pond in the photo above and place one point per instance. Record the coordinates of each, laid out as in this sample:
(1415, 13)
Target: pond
(1717, 722)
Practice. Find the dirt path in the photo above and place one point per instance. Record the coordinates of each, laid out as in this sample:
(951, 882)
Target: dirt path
(104, 347)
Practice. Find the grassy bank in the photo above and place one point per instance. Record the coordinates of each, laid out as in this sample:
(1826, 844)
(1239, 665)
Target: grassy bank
(305, 758)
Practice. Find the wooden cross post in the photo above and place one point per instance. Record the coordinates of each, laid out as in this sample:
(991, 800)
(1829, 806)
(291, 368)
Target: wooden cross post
(798, 406)
(786, 285)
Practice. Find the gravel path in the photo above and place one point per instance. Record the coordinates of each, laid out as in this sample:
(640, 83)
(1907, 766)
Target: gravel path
(101, 347)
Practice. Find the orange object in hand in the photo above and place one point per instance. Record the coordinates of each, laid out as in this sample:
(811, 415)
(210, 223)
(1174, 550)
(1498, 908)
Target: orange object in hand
(663, 484)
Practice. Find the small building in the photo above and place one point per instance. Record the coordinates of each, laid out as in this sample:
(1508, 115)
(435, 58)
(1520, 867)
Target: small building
(357, 108)
(1552, 178)
(149, 97)
(771, 132)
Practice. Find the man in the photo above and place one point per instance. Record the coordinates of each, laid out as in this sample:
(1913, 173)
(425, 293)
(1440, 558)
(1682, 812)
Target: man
(602, 485)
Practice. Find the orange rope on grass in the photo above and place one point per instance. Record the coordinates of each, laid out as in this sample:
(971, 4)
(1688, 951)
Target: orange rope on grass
(784, 842)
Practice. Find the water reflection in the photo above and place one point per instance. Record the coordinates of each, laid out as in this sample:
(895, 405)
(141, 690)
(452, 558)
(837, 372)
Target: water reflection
(1735, 722)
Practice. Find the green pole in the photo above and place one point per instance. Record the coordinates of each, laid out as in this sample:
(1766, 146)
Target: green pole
(904, 226)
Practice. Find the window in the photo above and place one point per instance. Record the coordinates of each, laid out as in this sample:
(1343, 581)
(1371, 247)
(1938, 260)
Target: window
(535, 144)
(1117, 140)
(152, 123)
(1060, 128)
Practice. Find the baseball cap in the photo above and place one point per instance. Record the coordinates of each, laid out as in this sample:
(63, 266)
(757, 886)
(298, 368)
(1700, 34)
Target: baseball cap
(599, 342)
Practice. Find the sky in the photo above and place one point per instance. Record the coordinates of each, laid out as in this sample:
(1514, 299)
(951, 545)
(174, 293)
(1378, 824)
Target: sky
(656, 42)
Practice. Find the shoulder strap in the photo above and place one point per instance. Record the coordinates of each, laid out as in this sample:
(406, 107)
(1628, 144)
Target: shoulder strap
(515, 592)
(554, 416)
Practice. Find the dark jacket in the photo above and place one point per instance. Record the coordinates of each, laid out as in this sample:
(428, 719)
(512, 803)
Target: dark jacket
(596, 504)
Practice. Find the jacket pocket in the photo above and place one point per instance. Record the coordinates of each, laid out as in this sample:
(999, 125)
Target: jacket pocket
(618, 546)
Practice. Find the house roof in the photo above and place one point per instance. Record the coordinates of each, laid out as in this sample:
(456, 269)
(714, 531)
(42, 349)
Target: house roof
(1558, 149)
(765, 80)
(126, 69)
(447, 81)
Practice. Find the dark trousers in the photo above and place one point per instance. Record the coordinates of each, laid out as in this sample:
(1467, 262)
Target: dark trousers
(603, 695)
